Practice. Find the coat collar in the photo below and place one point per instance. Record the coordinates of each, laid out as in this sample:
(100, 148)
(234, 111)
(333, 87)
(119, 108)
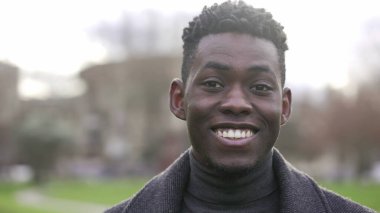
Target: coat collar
(298, 192)
(164, 193)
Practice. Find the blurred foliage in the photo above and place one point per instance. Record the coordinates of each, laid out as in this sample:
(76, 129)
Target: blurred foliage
(41, 141)
(345, 124)
(345, 121)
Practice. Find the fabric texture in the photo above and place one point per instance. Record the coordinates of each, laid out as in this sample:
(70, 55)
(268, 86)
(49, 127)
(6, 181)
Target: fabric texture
(298, 192)
(211, 191)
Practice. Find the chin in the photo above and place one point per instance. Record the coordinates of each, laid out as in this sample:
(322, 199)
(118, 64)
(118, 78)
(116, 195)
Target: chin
(236, 164)
(232, 168)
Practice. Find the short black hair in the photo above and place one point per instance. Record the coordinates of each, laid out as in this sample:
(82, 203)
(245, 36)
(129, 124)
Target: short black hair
(232, 17)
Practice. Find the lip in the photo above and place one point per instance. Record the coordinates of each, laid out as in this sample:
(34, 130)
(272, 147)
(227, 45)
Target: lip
(235, 143)
(233, 125)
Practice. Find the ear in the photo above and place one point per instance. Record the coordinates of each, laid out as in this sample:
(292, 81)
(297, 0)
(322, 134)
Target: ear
(286, 105)
(177, 92)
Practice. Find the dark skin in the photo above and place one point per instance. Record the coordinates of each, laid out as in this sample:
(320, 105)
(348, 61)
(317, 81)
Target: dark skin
(233, 101)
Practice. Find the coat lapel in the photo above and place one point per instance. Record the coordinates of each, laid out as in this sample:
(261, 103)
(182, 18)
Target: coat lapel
(164, 192)
(298, 192)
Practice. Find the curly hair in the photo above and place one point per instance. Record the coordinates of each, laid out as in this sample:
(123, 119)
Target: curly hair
(232, 17)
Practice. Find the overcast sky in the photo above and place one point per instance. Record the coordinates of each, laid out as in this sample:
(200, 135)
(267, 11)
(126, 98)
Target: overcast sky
(53, 36)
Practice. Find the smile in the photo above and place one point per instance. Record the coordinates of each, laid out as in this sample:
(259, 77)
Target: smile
(234, 133)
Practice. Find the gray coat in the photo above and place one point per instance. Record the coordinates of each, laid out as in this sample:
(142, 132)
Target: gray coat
(298, 192)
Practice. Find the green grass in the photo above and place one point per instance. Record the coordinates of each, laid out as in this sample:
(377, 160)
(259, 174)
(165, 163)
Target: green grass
(367, 194)
(109, 193)
(101, 192)
(8, 202)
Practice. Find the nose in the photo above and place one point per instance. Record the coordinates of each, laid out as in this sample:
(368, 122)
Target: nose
(236, 102)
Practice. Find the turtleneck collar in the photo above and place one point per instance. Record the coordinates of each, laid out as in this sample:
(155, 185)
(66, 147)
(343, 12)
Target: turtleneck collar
(212, 186)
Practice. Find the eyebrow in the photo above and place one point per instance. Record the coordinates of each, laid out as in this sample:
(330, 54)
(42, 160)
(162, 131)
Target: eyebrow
(217, 66)
(260, 68)
(224, 67)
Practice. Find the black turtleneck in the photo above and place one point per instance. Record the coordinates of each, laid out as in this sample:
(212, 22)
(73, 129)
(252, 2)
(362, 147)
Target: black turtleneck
(212, 191)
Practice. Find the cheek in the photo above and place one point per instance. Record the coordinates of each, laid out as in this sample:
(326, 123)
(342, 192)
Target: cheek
(196, 114)
(198, 107)
(199, 112)
(272, 112)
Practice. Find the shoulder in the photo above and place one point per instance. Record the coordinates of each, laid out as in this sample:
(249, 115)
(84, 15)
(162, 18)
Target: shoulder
(161, 193)
(339, 203)
(118, 207)
(301, 193)
(149, 191)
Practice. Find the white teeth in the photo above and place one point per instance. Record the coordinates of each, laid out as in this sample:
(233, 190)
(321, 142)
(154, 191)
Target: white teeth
(231, 133)
(237, 133)
(220, 133)
(234, 133)
(243, 134)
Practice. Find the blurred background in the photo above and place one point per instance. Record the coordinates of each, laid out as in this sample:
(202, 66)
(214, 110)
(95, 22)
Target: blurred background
(84, 116)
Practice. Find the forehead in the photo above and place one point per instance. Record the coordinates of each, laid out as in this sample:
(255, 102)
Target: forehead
(237, 50)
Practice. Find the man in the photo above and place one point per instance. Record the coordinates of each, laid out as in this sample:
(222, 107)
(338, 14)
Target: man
(233, 99)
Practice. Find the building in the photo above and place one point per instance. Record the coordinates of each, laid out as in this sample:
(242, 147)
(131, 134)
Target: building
(127, 111)
(9, 108)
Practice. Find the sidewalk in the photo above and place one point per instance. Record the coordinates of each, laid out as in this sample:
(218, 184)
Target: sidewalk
(32, 197)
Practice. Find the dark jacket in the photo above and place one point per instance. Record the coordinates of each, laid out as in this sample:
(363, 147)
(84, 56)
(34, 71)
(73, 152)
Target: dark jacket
(298, 192)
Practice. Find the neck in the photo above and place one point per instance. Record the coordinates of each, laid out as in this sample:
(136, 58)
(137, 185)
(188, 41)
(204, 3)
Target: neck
(216, 186)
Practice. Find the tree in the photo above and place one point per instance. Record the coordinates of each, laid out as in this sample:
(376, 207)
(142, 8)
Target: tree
(41, 141)
(147, 33)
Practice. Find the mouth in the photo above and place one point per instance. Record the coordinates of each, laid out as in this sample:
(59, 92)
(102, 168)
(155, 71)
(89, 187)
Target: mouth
(235, 134)
(230, 133)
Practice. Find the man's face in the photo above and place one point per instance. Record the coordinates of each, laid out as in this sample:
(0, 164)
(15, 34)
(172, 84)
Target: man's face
(233, 100)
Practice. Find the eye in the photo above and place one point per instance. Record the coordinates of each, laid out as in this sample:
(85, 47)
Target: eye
(261, 89)
(213, 84)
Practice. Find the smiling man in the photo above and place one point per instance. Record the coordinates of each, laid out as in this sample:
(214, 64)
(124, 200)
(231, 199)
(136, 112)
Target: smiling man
(233, 99)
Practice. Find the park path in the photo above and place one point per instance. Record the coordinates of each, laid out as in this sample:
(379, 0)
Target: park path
(34, 198)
